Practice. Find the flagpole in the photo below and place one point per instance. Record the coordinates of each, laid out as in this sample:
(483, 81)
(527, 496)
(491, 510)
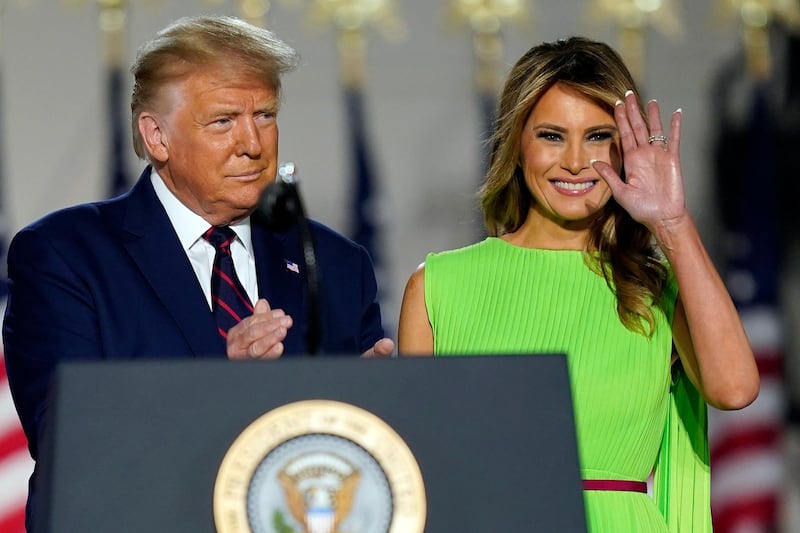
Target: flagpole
(352, 20)
(756, 19)
(112, 20)
(632, 19)
(487, 21)
(254, 11)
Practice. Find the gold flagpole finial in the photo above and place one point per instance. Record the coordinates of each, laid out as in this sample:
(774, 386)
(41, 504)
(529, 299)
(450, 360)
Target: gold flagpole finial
(756, 17)
(487, 20)
(112, 19)
(252, 11)
(632, 19)
(352, 19)
(255, 11)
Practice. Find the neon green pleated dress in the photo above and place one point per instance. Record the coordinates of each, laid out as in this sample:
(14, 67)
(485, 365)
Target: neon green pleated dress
(631, 416)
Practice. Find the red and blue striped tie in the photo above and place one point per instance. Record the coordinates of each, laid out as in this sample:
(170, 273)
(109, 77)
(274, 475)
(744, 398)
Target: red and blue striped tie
(229, 301)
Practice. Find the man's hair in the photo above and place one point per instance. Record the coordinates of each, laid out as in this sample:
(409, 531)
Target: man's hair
(193, 43)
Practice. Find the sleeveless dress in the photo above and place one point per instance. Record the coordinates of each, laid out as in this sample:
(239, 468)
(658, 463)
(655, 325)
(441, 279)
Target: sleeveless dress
(494, 297)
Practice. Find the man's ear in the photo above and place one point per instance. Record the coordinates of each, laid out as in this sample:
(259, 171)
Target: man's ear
(154, 137)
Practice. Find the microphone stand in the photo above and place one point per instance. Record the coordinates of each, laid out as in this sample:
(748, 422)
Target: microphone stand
(282, 207)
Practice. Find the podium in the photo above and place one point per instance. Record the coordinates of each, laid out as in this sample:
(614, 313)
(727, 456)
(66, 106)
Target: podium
(138, 446)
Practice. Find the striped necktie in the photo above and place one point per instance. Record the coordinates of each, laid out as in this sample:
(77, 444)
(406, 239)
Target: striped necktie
(229, 301)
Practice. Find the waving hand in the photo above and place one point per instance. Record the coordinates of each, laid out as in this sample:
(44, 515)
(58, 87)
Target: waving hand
(652, 192)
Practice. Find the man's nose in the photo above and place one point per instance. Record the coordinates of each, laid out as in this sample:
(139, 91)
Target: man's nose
(248, 140)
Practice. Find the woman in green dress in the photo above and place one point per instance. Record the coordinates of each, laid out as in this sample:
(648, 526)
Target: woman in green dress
(593, 253)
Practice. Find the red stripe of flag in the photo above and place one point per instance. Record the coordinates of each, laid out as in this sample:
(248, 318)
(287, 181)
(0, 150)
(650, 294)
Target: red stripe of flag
(13, 522)
(770, 363)
(760, 509)
(751, 437)
(11, 442)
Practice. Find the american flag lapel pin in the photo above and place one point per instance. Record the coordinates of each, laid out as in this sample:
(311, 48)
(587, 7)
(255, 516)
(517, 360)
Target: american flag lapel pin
(291, 266)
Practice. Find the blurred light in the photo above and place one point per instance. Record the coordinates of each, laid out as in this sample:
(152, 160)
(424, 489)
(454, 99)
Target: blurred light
(742, 286)
(755, 14)
(648, 6)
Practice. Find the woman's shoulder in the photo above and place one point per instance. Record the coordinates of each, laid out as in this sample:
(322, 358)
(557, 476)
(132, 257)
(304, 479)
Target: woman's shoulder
(456, 257)
(465, 252)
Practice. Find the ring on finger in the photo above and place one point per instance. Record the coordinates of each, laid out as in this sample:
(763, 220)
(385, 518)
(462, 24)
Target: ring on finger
(657, 138)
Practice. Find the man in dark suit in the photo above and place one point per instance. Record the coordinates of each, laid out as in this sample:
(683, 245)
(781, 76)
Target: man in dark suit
(133, 277)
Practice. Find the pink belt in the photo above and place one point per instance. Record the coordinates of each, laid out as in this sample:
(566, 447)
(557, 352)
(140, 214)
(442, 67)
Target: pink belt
(614, 484)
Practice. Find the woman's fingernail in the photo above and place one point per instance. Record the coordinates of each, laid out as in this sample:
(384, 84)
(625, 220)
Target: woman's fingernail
(619, 102)
(628, 92)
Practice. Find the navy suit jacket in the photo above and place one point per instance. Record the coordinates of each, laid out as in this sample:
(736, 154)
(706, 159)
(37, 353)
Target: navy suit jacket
(110, 280)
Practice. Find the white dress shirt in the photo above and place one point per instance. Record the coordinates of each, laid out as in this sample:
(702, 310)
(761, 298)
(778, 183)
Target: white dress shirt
(190, 227)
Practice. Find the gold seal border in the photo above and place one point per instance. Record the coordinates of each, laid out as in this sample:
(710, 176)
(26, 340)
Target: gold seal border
(326, 417)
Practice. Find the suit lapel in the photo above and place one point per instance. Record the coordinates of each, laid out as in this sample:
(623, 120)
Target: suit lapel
(153, 244)
(281, 279)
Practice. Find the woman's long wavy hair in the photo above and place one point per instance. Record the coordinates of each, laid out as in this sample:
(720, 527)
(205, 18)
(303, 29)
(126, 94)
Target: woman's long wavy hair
(619, 248)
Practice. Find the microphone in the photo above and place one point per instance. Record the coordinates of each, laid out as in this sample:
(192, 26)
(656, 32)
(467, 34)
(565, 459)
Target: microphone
(281, 208)
(280, 204)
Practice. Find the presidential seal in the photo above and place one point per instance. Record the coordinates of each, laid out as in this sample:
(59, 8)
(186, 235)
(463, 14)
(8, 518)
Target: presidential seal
(319, 466)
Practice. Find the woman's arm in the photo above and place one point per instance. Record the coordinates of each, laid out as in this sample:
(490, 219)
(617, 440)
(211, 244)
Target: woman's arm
(414, 333)
(707, 331)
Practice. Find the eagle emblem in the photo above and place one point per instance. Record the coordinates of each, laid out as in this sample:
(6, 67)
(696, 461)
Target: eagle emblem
(319, 488)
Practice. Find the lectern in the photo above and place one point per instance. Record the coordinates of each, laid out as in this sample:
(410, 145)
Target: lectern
(338, 445)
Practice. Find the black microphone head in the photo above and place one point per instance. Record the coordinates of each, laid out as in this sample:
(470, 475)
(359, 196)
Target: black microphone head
(279, 208)
(279, 205)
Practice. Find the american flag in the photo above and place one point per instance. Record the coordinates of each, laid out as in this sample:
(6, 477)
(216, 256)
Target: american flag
(364, 201)
(746, 454)
(364, 225)
(291, 266)
(745, 446)
(119, 181)
(16, 464)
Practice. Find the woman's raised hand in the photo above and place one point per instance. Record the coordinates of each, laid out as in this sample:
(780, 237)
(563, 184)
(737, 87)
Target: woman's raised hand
(652, 192)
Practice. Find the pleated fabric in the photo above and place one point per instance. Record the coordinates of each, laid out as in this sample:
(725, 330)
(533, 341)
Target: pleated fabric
(494, 298)
(682, 480)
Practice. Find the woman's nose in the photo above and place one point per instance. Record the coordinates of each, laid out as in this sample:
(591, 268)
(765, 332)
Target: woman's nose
(575, 158)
